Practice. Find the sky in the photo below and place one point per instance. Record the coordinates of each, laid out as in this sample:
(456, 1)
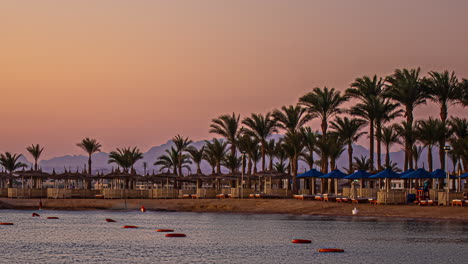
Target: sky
(136, 73)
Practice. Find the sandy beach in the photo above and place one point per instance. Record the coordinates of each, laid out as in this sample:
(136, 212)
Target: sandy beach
(247, 206)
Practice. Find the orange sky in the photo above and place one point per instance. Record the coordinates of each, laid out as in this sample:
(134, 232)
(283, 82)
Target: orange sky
(139, 72)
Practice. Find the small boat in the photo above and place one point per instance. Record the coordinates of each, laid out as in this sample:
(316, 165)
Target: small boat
(6, 224)
(301, 241)
(165, 230)
(110, 220)
(35, 215)
(324, 250)
(175, 235)
(52, 217)
(129, 226)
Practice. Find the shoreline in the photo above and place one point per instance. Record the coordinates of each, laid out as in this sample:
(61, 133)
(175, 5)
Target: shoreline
(247, 206)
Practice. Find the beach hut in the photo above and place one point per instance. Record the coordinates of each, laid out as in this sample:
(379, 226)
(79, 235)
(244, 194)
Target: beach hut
(32, 187)
(388, 195)
(309, 178)
(361, 175)
(335, 176)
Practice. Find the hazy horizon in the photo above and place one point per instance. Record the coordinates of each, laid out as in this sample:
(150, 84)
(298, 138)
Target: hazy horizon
(136, 73)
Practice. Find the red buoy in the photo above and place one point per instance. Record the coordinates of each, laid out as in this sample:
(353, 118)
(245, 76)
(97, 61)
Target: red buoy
(52, 217)
(129, 226)
(301, 241)
(165, 230)
(142, 209)
(35, 215)
(324, 250)
(175, 235)
(110, 220)
(6, 223)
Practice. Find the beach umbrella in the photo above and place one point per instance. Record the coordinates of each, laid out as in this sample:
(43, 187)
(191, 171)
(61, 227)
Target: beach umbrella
(465, 175)
(336, 174)
(359, 175)
(440, 174)
(311, 173)
(386, 174)
(417, 174)
(406, 172)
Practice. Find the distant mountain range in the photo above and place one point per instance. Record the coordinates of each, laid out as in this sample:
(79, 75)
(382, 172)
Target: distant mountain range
(79, 162)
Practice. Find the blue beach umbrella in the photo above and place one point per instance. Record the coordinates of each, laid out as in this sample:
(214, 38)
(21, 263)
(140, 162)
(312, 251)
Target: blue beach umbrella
(386, 174)
(336, 174)
(406, 172)
(360, 174)
(418, 174)
(311, 173)
(465, 175)
(440, 174)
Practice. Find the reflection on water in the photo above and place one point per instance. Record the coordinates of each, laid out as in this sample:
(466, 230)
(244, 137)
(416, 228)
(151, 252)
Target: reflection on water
(225, 238)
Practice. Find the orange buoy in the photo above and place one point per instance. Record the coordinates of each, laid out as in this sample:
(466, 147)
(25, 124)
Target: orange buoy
(301, 241)
(175, 235)
(142, 209)
(35, 215)
(6, 224)
(129, 226)
(323, 250)
(165, 230)
(110, 220)
(52, 217)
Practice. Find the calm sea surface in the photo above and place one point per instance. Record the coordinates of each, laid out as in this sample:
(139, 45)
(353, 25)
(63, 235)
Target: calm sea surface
(84, 237)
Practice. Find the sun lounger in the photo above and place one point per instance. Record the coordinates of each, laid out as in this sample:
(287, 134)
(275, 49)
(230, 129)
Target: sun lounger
(303, 197)
(373, 201)
(252, 196)
(359, 200)
(185, 196)
(318, 198)
(456, 202)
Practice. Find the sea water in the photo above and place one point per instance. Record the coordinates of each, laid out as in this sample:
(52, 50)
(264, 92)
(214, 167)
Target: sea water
(85, 237)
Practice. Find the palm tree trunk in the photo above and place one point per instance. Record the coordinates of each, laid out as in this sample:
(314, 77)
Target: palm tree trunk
(263, 155)
(35, 164)
(294, 174)
(218, 167)
(379, 145)
(199, 172)
(429, 157)
(233, 149)
(387, 156)
(409, 147)
(249, 167)
(270, 168)
(89, 165)
(371, 144)
(350, 158)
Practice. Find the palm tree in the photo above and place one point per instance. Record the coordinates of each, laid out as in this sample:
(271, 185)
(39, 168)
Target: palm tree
(291, 118)
(459, 138)
(181, 145)
(385, 111)
(11, 163)
(227, 126)
(324, 104)
(270, 152)
(417, 150)
(211, 160)
(90, 146)
(389, 137)
(35, 151)
(429, 132)
(168, 161)
(249, 145)
(336, 148)
(197, 156)
(464, 92)
(310, 140)
(232, 163)
(368, 91)
(361, 163)
(406, 131)
(125, 158)
(217, 150)
(281, 156)
(293, 144)
(444, 89)
(323, 151)
(260, 127)
(349, 130)
(405, 87)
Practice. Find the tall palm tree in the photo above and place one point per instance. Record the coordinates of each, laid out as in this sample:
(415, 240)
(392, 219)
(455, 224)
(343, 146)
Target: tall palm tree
(385, 111)
(324, 104)
(337, 147)
(310, 140)
(261, 127)
(249, 145)
(429, 132)
(196, 156)
(232, 163)
(281, 156)
(406, 131)
(227, 126)
(90, 146)
(35, 151)
(168, 161)
(291, 118)
(368, 91)
(443, 89)
(270, 152)
(459, 138)
(11, 163)
(389, 137)
(293, 144)
(125, 158)
(405, 87)
(217, 149)
(181, 144)
(349, 131)
(323, 150)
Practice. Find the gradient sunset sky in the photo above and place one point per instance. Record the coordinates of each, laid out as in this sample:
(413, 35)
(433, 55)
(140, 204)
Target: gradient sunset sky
(138, 72)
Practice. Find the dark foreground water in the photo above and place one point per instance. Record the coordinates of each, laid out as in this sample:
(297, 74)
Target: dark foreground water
(84, 237)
